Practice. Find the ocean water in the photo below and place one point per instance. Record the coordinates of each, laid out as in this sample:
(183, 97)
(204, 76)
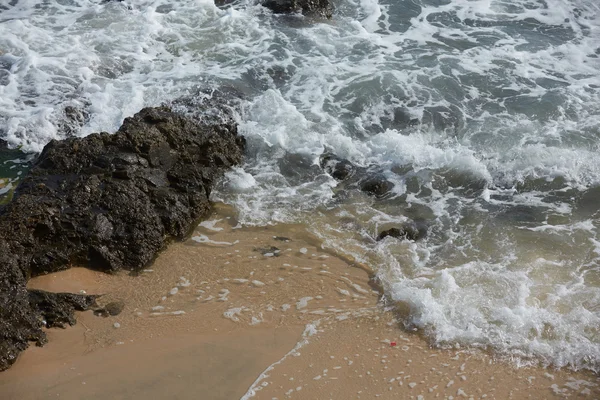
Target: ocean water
(484, 114)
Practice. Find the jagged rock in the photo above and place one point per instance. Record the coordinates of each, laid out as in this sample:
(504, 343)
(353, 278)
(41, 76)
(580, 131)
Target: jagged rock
(74, 117)
(112, 201)
(315, 8)
(336, 167)
(58, 309)
(18, 323)
(109, 202)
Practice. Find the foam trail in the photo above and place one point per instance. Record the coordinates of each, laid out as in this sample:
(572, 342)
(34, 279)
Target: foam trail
(309, 330)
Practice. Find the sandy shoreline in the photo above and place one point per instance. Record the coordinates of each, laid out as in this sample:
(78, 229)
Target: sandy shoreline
(256, 311)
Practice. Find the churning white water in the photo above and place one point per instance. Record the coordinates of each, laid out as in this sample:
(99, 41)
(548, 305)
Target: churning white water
(484, 114)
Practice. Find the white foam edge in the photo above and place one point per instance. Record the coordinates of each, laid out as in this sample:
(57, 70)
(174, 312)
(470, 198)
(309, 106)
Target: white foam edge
(309, 330)
(205, 239)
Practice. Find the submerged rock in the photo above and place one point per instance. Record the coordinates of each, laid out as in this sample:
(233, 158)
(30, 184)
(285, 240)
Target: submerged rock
(377, 186)
(74, 117)
(298, 167)
(316, 8)
(106, 201)
(408, 231)
(111, 309)
(114, 307)
(270, 251)
(338, 168)
(372, 183)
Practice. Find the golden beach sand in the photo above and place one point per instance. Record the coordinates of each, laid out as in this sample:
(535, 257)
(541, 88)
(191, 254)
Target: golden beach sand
(261, 313)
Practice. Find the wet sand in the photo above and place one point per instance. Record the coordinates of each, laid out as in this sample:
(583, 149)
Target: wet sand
(266, 312)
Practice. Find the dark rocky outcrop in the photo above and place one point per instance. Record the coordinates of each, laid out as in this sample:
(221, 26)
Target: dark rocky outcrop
(111, 201)
(106, 201)
(312, 8)
(19, 324)
(58, 309)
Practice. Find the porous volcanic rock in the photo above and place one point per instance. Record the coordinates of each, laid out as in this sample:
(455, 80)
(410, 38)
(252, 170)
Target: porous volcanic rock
(311, 8)
(58, 309)
(109, 202)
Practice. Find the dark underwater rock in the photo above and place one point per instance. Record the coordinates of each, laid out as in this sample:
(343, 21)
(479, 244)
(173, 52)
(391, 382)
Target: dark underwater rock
(376, 185)
(224, 3)
(110, 202)
(111, 309)
(268, 251)
(372, 183)
(298, 167)
(443, 118)
(338, 168)
(587, 203)
(313, 8)
(408, 231)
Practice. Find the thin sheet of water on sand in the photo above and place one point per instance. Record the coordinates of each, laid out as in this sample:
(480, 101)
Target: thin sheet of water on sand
(262, 312)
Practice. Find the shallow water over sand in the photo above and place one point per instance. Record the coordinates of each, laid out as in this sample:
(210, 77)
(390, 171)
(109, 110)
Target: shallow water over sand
(258, 313)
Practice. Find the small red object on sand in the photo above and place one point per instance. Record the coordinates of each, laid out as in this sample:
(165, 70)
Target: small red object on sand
(392, 344)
